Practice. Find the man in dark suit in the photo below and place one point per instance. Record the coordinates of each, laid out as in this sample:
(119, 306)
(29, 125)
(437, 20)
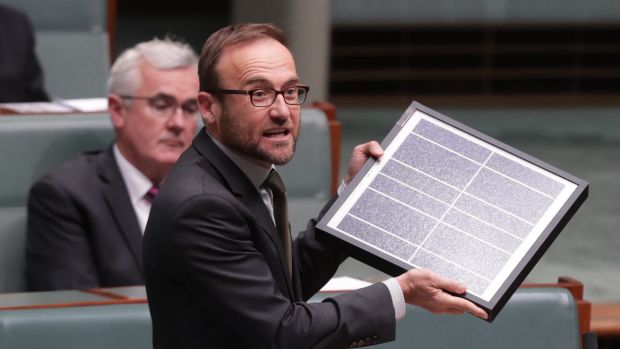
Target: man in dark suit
(220, 269)
(21, 79)
(86, 217)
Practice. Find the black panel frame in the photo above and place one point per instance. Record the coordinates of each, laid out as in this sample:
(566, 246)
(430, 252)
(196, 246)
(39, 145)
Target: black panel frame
(392, 266)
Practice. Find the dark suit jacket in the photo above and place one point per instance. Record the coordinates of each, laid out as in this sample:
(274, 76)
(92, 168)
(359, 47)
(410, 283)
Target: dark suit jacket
(20, 74)
(82, 229)
(216, 276)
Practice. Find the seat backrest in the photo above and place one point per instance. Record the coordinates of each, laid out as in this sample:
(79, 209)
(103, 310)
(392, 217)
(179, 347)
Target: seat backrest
(534, 318)
(31, 145)
(308, 174)
(94, 327)
(72, 44)
(75, 63)
(82, 15)
(12, 247)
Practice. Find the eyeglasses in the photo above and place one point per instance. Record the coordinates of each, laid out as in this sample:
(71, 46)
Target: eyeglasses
(164, 106)
(264, 97)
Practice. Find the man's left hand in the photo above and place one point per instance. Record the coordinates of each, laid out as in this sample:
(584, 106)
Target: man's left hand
(361, 153)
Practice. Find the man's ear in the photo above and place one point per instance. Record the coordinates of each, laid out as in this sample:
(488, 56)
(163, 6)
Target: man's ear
(116, 108)
(209, 108)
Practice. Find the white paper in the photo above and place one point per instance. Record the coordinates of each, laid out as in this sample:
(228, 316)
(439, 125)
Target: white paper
(36, 108)
(86, 105)
(344, 283)
(83, 105)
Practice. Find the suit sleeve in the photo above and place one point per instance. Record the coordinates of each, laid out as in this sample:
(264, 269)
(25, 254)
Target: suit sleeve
(223, 264)
(58, 252)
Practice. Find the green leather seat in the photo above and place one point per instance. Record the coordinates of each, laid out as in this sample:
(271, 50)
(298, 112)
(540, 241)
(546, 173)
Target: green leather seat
(308, 175)
(534, 318)
(76, 15)
(75, 63)
(32, 145)
(71, 42)
(29, 147)
(93, 327)
(12, 247)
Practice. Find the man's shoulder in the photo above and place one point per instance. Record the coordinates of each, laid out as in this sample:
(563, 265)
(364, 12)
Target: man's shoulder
(75, 171)
(15, 19)
(85, 161)
(193, 176)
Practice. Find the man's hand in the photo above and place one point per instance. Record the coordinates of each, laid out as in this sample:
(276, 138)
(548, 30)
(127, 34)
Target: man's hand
(428, 290)
(361, 153)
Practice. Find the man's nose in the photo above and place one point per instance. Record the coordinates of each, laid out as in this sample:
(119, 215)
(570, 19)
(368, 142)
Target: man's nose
(279, 109)
(177, 120)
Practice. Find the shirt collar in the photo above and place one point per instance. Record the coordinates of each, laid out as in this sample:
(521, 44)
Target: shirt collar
(136, 182)
(255, 173)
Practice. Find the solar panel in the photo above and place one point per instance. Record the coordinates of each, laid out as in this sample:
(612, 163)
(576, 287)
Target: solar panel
(448, 198)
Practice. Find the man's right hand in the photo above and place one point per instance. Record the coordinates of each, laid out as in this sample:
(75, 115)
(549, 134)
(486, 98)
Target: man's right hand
(430, 291)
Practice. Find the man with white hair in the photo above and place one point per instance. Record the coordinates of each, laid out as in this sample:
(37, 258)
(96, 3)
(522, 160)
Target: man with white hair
(86, 217)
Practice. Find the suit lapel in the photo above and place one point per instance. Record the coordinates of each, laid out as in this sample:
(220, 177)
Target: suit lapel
(245, 191)
(119, 203)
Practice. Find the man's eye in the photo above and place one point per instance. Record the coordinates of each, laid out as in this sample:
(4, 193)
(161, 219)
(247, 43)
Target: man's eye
(161, 104)
(260, 93)
(190, 107)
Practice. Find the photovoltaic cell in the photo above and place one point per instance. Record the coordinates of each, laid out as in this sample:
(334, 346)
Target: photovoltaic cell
(450, 199)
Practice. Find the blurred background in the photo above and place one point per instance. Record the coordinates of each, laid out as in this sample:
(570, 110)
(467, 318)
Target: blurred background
(541, 76)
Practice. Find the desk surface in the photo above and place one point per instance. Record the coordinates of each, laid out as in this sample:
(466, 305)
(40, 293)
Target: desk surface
(47, 299)
(606, 319)
(73, 298)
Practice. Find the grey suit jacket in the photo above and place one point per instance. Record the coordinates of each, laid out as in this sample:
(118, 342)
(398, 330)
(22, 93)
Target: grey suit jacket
(216, 275)
(82, 228)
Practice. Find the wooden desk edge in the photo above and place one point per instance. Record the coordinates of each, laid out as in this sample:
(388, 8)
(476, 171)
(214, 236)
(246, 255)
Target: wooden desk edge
(606, 319)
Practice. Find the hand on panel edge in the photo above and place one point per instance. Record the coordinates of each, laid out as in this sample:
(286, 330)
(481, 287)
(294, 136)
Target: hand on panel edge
(430, 291)
(360, 155)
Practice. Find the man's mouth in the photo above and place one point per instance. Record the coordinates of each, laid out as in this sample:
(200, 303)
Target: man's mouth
(275, 133)
(172, 142)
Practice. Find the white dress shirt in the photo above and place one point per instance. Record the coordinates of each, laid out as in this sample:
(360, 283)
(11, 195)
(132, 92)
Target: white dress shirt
(137, 185)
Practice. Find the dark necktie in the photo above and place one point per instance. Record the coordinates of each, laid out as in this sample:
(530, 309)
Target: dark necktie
(280, 213)
(152, 193)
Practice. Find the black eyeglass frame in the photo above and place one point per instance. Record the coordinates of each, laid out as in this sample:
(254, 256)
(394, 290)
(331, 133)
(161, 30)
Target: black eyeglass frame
(253, 91)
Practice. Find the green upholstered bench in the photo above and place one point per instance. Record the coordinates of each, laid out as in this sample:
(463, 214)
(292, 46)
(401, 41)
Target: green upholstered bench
(308, 175)
(534, 318)
(72, 44)
(93, 327)
(12, 249)
(32, 145)
(29, 147)
(75, 63)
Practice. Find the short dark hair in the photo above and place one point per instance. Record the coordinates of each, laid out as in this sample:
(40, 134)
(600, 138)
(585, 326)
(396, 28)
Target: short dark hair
(229, 36)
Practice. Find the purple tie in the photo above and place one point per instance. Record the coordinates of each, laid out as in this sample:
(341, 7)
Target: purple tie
(152, 193)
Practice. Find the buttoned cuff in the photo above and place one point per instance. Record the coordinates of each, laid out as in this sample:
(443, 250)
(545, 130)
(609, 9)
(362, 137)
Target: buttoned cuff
(398, 298)
(341, 187)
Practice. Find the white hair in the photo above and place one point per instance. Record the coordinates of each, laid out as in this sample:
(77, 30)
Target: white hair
(162, 54)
